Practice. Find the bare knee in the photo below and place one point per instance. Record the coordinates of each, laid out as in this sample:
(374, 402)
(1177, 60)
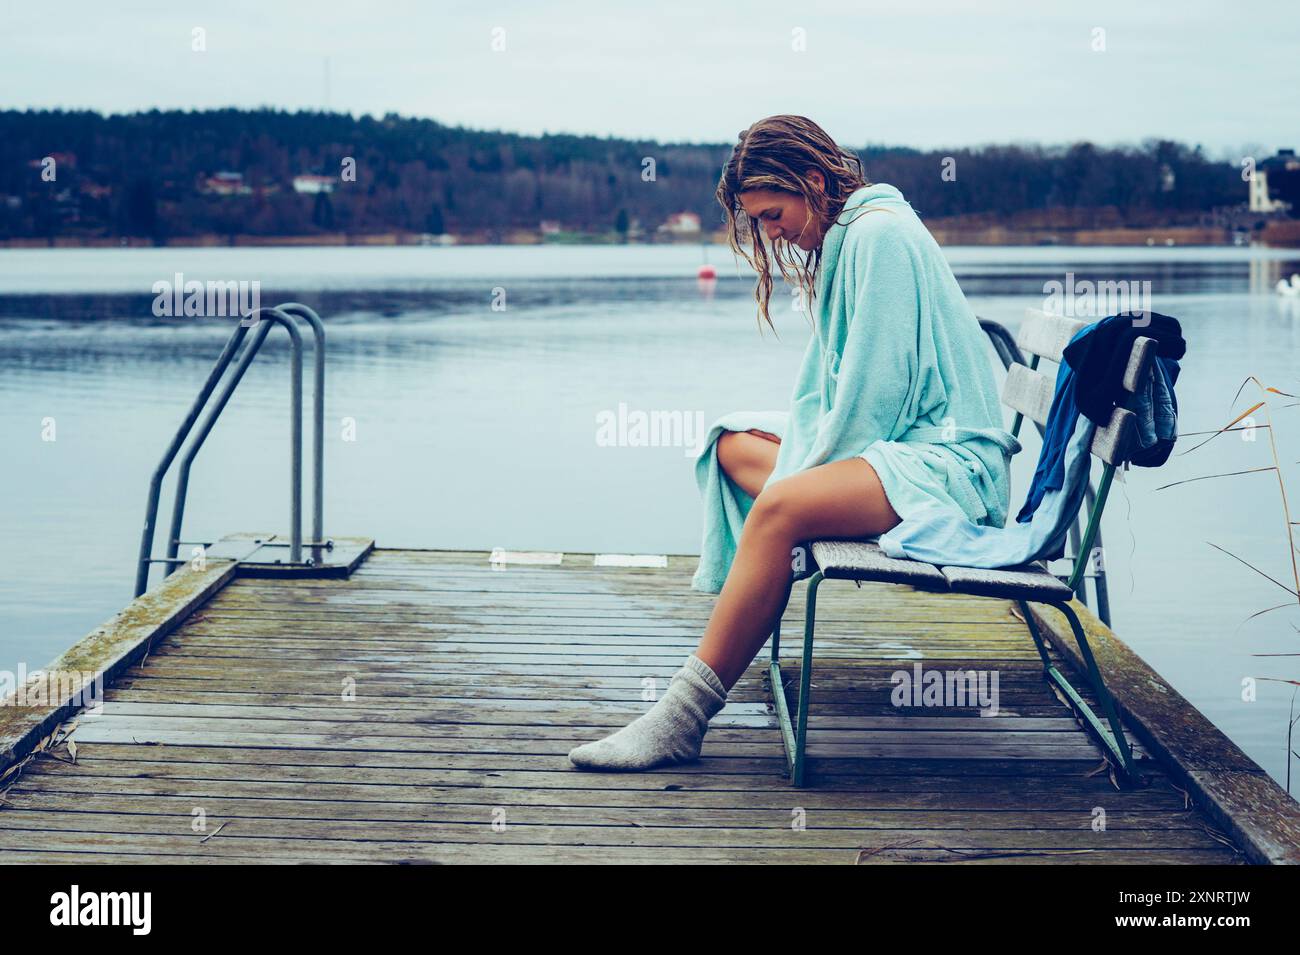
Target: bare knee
(775, 511)
(746, 459)
(731, 453)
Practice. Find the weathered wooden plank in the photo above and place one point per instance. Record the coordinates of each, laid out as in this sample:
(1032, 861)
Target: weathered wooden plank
(367, 783)
(662, 590)
(845, 705)
(556, 741)
(428, 625)
(325, 851)
(565, 728)
(470, 709)
(1004, 777)
(1028, 392)
(653, 660)
(518, 602)
(867, 687)
(1046, 335)
(84, 857)
(778, 835)
(552, 855)
(464, 638)
(309, 809)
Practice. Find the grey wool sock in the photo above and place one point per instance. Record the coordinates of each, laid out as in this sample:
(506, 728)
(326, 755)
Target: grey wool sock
(672, 731)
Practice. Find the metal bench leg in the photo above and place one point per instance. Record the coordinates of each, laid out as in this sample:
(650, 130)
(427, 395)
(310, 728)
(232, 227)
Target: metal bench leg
(794, 741)
(1113, 739)
(776, 687)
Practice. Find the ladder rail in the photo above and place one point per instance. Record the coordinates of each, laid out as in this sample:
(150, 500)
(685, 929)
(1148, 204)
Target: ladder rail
(155, 481)
(271, 316)
(318, 422)
(318, 467)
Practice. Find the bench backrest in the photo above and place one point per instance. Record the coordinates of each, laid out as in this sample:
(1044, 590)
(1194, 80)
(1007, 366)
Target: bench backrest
(1029, 392)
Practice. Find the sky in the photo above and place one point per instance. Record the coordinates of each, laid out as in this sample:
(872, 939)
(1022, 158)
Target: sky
(925, 74)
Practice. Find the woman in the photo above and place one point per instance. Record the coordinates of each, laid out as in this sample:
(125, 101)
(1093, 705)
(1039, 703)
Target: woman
(895, 411)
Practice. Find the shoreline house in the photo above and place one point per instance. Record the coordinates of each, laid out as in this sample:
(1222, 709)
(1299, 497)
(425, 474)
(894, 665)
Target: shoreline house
(681, 223)
(312, 184)
(1275, 185)
(224, 184)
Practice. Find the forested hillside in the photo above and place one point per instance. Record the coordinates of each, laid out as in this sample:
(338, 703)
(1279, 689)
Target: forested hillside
(174, 174)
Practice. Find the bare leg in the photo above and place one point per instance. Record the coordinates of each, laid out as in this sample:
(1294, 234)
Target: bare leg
(842, 499)
(747, 458)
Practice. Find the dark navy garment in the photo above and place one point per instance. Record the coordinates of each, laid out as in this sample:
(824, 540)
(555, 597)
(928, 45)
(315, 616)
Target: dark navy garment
(1101, 357)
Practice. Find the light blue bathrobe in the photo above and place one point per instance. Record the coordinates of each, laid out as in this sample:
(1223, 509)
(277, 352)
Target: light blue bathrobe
(897, 370)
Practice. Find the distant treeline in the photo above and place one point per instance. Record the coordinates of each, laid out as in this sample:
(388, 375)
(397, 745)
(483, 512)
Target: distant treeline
(159, 175)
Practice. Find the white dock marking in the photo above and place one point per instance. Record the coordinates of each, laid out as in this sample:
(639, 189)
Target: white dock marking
(500, 555)
(630, 560)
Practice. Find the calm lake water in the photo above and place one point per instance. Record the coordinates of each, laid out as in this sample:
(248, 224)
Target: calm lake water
(477, 427)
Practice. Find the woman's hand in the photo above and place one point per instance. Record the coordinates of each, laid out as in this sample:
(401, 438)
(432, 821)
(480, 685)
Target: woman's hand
(764, 434)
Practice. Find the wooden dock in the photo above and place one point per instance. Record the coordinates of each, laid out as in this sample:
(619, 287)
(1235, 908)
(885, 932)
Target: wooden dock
(421, 710)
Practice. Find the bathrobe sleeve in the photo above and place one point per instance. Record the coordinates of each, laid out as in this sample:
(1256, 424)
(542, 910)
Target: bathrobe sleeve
(876, 368)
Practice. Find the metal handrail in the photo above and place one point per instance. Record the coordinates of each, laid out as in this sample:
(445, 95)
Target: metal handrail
(1005, 345)
(279, 315)
(182, 480)
(318, 422)
(246, 359)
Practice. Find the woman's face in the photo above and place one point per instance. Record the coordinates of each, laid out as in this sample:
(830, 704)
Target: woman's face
(784, 215)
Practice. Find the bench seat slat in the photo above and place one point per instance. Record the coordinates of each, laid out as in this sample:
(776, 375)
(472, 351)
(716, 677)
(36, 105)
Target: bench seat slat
(1025, 582)
(864, 560)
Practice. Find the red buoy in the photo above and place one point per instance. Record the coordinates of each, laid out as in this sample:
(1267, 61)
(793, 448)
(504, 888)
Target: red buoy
(707, 272)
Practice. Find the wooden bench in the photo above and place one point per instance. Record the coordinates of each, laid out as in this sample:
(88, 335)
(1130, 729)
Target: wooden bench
(1029, 393)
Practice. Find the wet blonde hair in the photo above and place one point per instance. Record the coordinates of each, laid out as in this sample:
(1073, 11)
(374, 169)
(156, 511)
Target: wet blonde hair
(777, 153)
